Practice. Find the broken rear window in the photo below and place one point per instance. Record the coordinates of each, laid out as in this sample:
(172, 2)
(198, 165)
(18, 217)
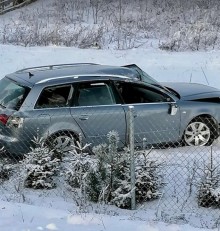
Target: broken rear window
(12, 95)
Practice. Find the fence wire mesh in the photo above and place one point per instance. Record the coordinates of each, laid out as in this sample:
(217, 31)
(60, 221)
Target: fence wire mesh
(83, 155)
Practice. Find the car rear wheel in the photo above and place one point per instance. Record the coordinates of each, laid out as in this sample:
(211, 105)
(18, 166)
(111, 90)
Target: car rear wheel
(63, 141)
(199, 133)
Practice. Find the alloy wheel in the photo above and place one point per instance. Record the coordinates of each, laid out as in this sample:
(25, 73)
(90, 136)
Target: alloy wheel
(197, 134)
(64, 143)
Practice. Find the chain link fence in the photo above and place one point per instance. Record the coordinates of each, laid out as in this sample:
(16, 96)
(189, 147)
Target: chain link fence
(122, 155)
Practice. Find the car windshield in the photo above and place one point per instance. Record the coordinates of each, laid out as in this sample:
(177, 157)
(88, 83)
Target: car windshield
(144, 77)
(12, 95)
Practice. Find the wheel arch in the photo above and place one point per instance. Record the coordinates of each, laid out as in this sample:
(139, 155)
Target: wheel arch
(67, 131)
(211, 119)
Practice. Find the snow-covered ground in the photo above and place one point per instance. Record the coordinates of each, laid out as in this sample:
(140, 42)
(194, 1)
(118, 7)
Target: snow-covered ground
(57, 212)
(21, 217)
(200, 67)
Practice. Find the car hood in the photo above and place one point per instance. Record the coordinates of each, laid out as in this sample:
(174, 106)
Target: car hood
(192, 90)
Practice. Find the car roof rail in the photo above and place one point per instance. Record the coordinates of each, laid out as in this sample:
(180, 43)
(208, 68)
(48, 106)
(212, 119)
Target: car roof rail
(51, 67)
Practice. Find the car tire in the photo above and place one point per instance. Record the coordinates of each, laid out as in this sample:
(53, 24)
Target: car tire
(199, 132)
(62, 141)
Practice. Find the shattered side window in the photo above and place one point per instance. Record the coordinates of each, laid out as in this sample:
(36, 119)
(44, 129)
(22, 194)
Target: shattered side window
(52, 97)
(12, 95)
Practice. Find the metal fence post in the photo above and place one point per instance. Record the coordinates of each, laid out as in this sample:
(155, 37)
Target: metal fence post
(132, 161)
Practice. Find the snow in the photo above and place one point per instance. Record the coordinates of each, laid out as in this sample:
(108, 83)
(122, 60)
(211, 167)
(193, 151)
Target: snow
(53, 211)
(22, 217)
(199, 67)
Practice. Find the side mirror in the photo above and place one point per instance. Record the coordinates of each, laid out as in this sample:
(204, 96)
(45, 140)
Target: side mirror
(173, 109)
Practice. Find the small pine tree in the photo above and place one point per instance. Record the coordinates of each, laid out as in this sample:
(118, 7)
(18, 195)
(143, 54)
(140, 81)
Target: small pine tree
(147, 181)
(107, 168)
(208, 194)
(121, 196)
(78, 163)
(110, 179)
(97, 177)
(40, 165)
(94, 186)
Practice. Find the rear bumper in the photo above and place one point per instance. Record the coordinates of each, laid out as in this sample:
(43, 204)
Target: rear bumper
(13, 145)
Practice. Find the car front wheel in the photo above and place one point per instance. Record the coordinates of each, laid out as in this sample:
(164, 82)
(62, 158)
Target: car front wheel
(199, 133)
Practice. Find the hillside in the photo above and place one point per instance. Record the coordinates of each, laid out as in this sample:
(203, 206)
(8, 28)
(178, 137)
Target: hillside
(118, 24)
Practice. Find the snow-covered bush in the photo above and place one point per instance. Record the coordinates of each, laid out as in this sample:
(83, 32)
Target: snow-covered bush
(76, 165)
(39, 166)
(109, 180)
(181, 25)
(148, 182)
(209, 187)
(97, 176)
(74, 168)
(198, 36)
(79, 170)
(148, 179)
(105, 176)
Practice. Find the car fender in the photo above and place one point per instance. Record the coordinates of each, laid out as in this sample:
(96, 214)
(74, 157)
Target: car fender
(200, 109)
(61, 127)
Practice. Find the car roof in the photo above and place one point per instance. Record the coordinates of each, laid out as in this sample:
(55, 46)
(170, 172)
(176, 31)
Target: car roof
(64, 72)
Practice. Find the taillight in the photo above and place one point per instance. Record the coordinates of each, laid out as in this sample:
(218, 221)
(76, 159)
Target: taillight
(4, 118)
(15, 121)
(11, 121)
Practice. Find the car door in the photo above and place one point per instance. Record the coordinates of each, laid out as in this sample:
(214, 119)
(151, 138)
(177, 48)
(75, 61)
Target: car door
(157, 116)
(51, 113)
(97, 113)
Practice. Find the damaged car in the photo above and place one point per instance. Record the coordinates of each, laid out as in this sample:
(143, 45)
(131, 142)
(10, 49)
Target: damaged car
(67, 102)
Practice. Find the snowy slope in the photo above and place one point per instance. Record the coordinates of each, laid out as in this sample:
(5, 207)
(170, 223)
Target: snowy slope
(200, 67)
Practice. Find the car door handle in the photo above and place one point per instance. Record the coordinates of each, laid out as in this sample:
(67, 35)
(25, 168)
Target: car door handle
(44, 118)
(84, 117)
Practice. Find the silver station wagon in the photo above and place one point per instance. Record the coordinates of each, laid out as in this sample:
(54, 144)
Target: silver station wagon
(60, 102)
